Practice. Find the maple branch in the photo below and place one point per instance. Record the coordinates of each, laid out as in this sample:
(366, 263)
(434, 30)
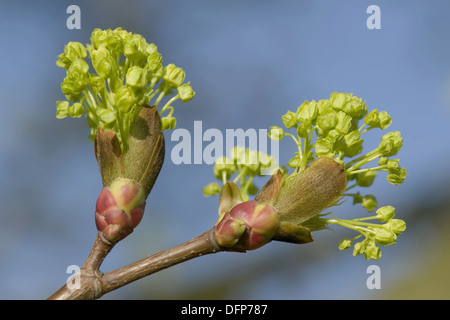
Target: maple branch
(94, 284)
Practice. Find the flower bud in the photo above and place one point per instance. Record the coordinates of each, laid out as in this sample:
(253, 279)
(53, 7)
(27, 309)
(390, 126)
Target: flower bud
(372, 118)
(102, 61)
(211, 189)
(186, 93)
(276, 133)
(76, 110)
(107, 118)
(72, 51)
(385, 213)
(307, 112)
(369, 202)
(327, 121)
(168, 123)
(359, 248)
(352, 143)
(136, 77)
(248, 226)
(383, 161)
(344, 122)
(324, 148)
(353, 106)
(396, 225)
(366, 179)
(119, 209)
(295, 162)
(62, 109)
(229, 231)
(76, 80)
(289, 119)
(303, 130)
(224, 167)
(390, 144)
(345, 244)
(173, 75)
(385, 237)
(124, 99)
(372, 252)
(385, 120)
(154, 61)
(396, 176)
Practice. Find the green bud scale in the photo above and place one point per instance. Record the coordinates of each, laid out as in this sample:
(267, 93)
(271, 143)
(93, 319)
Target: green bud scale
(306, 194)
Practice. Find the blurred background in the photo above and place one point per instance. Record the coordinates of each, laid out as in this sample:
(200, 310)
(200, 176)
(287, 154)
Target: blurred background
(249, 62)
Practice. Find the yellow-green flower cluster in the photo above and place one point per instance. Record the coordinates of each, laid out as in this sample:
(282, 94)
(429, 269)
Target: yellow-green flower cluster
(128, 73)
(333, 128)
(245, 165)
(381, 234)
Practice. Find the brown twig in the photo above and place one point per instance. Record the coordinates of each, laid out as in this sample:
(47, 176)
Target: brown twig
(99, 251)
(94, 284)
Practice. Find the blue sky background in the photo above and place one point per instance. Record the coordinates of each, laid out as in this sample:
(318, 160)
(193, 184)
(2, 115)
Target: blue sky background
(249, 62)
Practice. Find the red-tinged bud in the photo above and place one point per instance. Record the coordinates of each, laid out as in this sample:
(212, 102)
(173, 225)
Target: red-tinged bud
(119, 209)
(261, 222)
(229, 231)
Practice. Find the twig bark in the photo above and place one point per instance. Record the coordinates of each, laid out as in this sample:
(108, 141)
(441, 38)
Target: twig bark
(99, 251)
(94, 284)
